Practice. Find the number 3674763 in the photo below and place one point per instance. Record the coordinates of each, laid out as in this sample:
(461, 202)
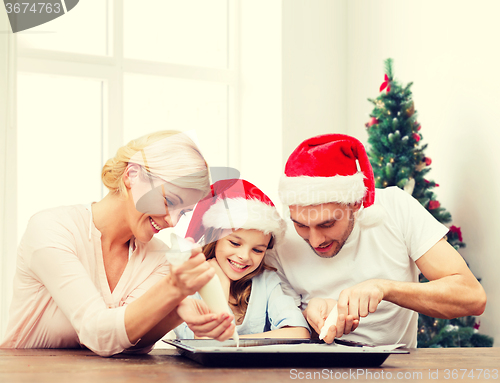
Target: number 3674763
(33, 7)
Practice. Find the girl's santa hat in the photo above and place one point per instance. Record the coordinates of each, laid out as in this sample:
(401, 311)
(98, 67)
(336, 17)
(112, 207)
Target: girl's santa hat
(330, 168)
(236, 204)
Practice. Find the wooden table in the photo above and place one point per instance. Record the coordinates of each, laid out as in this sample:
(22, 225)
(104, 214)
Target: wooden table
(74, 366)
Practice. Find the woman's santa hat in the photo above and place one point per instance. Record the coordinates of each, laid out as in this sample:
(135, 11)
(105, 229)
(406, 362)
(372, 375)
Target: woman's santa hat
(329, 168)
(236, 204)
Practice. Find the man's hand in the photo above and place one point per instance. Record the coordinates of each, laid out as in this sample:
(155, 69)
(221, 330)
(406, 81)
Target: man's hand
(203, 323)
(193, 274)
(361, 299)
(316, 313)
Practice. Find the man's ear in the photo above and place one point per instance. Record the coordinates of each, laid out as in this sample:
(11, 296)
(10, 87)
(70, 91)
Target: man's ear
(131, 175)
(356, 206)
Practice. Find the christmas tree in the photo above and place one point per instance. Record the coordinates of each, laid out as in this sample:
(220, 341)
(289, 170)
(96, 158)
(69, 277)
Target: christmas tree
(398, 159)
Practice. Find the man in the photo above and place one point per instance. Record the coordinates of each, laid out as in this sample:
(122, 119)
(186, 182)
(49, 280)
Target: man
(361, 249)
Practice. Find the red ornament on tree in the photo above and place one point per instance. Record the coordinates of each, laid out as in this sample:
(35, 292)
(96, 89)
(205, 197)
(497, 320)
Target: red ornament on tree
(434, 205)
(455, 229)
(386, 84)
(428, 182)
(428, 161)
(416, 136)
(373, 121)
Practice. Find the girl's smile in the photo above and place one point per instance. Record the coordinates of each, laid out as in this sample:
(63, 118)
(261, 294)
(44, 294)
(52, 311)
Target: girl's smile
(238, 267)
(241, 252)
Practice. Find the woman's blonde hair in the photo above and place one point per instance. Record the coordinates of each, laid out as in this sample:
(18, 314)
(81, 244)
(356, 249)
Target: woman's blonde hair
(170, 155)
(240, 289)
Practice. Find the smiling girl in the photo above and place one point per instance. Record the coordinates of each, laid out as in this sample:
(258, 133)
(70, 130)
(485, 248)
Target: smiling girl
(238, 224)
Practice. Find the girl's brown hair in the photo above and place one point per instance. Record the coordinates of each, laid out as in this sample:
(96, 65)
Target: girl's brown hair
(241, 288)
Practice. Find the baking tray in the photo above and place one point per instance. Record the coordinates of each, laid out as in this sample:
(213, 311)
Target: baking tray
(281, 353)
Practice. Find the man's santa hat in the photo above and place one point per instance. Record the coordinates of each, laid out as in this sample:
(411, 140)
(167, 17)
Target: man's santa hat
(329, 168)
(236, 204)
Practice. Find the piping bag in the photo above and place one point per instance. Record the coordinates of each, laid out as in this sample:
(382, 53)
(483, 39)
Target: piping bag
(330, 320)
(212, 293)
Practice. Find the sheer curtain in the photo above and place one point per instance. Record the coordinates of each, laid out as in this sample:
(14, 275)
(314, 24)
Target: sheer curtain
(8, 192)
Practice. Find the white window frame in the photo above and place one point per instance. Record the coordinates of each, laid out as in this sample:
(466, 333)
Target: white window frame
(8, 168)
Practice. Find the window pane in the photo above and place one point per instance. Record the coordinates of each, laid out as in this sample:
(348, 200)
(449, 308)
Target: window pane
(84, 29)
(59, 143)
(154, 103)
(190, 32)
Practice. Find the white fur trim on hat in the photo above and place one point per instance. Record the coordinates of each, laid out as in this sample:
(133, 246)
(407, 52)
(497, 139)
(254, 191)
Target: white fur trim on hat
(305, 191)
(241, 213)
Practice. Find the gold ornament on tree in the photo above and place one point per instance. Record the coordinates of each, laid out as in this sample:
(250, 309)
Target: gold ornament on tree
(411, 110)
(420, 166)
(426, 162)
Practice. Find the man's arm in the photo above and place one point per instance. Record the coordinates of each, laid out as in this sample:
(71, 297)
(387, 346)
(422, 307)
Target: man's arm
(452, 291)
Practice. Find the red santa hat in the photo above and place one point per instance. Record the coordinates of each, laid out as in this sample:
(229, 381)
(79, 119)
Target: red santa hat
(236, 204)
(328, 168)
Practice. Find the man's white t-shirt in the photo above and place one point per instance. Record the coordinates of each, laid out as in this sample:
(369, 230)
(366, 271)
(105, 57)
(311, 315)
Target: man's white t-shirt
(387, 250)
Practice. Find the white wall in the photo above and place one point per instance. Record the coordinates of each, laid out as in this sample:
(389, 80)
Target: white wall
(331, 61)
(314, 70)
(260, 98)
(450, 50)
(293, 81)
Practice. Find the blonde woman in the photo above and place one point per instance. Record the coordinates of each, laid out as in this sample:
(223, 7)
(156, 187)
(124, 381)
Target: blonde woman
(94, 276)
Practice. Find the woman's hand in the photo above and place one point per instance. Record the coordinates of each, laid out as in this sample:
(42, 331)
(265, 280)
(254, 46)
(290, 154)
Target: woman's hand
(203, 323)
(193, 274)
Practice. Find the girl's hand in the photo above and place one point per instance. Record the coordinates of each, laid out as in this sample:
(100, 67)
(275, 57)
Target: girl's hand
(224, 280)
(203, 323)
(193, 274)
